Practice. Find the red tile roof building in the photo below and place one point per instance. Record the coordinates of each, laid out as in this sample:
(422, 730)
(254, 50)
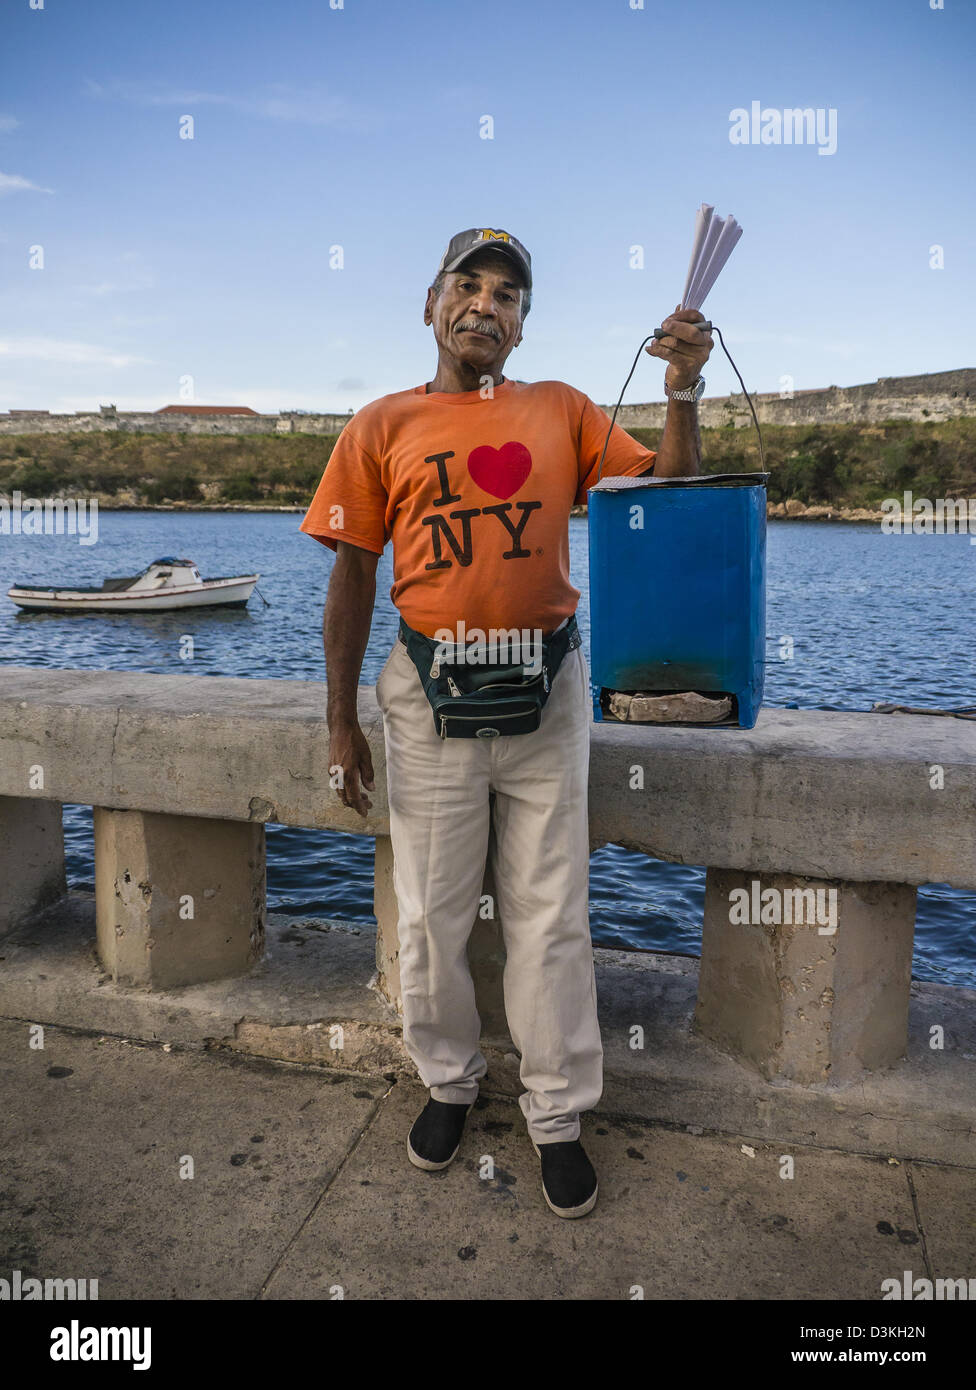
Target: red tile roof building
(206, 410)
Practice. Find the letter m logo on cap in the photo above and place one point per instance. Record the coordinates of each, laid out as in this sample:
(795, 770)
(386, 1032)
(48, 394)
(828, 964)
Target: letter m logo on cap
(488, 235)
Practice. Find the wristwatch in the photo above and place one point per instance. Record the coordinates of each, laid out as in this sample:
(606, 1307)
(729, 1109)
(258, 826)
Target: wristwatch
(694, 392)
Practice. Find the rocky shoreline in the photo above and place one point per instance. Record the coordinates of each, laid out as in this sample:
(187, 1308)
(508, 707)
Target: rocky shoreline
(778, 511)
(800, 511)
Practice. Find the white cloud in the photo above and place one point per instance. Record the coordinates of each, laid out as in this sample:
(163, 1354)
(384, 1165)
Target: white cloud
(66, 405)
(307, 108)
(64, 351)
(16, 183)
(132, 274)
(840, 348)
(106, 287)
(152, 94)
(8, 123)
(279, 102)
(270, 400)
(103, 287)
(137, 320)
(265, 400)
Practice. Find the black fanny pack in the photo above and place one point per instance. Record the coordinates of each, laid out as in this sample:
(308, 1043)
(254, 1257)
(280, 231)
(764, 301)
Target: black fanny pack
(484, 699)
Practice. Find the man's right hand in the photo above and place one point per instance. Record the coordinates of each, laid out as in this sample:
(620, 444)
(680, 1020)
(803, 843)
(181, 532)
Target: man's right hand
(349, 754)
(345, 632)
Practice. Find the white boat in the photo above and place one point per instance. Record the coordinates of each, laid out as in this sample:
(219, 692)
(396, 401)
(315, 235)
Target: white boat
(165, 585)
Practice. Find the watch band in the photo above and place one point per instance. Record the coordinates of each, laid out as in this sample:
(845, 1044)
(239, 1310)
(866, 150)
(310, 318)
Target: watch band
(693, 393)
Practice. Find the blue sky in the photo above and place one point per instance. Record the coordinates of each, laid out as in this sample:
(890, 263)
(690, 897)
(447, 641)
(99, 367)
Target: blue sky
(359, 127)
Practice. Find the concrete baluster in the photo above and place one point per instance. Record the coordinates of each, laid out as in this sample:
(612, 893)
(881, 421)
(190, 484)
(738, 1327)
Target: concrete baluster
(31, 858)
(806, 979)
(178, 899)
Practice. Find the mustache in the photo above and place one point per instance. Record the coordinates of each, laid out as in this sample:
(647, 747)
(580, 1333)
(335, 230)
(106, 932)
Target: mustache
(479, 326)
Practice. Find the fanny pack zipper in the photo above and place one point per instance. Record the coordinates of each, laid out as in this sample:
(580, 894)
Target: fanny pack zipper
(497, 685)
(480, 719)
(509, 685)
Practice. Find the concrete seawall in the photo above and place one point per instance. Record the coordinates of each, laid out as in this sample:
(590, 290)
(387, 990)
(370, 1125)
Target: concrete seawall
(809, 808)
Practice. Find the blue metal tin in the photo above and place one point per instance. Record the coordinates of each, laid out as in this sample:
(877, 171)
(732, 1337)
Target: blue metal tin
(678, 588)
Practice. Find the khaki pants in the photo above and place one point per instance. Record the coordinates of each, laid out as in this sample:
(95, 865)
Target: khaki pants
(439, 827)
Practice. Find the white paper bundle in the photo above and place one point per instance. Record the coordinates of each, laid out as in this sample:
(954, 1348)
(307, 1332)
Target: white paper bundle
(713, 245)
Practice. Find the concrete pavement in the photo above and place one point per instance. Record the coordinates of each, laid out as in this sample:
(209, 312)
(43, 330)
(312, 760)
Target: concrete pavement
(301, 1188)
(319, 976)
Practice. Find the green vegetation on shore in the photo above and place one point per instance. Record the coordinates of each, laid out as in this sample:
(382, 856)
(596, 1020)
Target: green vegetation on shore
(134, 469)
(848, 466)
(843, 466)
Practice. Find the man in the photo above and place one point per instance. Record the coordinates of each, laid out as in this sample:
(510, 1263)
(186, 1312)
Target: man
(472, 476)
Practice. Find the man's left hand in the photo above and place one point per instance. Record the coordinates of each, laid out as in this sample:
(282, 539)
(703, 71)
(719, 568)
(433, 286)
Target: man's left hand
(686, 349)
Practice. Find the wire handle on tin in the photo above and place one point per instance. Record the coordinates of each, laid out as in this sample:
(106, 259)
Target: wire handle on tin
(659, 333)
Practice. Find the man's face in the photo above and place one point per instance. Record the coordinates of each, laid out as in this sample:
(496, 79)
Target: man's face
(477, 317)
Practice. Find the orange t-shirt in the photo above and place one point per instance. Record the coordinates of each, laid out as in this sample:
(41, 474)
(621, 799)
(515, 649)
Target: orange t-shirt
(475, 494)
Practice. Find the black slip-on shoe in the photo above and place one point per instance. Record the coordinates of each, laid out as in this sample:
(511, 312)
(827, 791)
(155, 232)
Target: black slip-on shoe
(436, 1135)
(569, 1182)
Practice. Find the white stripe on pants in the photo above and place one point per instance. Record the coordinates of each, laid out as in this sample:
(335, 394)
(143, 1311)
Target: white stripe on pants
(439, 827)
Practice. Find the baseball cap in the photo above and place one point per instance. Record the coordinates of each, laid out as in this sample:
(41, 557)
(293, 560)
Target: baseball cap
(464, 244)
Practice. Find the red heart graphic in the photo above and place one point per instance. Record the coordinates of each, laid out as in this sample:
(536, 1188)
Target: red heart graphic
(500, 471)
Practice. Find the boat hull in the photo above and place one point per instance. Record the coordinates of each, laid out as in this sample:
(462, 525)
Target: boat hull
(223, 593)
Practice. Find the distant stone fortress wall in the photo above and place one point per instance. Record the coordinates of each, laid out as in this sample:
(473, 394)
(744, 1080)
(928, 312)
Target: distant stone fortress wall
(169, 422)
(935, 396)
